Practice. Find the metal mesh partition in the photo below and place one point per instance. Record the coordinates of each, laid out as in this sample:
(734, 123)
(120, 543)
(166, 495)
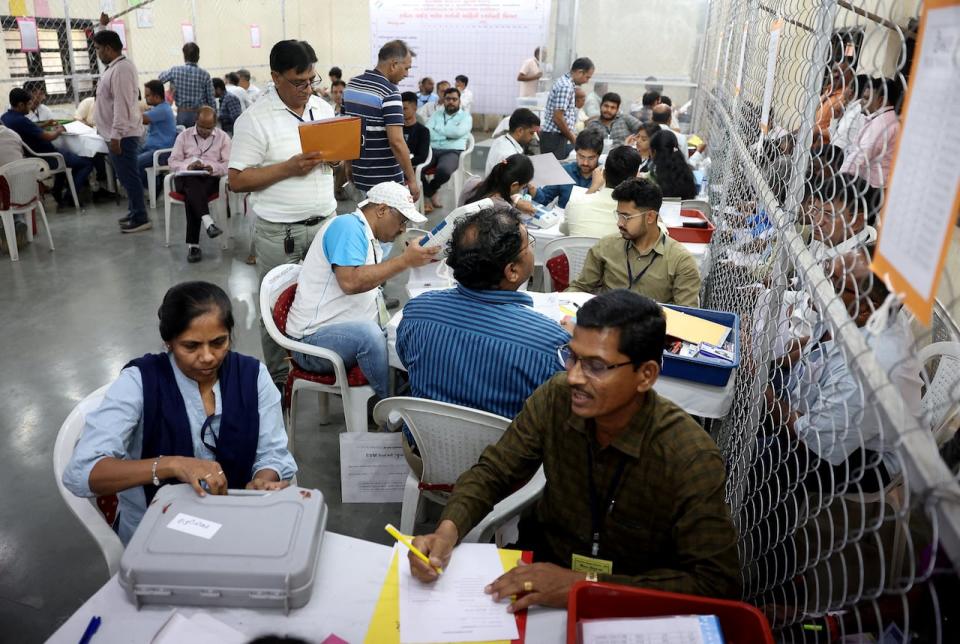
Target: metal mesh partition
(840, 441)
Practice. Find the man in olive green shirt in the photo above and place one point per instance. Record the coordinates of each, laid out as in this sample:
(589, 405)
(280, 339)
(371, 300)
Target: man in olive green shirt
(635, 488)
(642, 257)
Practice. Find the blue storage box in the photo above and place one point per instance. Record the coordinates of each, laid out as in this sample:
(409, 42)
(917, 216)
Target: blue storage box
(709, 371)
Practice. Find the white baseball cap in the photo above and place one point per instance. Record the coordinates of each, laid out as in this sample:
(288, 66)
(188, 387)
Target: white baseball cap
(396, 196)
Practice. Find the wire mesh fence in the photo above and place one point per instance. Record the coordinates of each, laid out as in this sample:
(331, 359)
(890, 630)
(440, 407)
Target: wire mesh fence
(840, 442)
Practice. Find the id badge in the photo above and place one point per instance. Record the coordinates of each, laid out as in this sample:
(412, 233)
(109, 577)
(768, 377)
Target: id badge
(583, 563)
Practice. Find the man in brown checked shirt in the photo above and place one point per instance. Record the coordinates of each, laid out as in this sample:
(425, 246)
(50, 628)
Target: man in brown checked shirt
(635, 488)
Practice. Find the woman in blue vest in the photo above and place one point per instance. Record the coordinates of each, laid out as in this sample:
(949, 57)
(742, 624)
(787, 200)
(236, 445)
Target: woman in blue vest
(198, 414)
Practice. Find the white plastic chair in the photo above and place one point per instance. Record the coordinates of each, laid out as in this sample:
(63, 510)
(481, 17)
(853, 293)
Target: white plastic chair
(85, 509)
(940, 401)
(460, 176)
(450, 439)
(218, 210)
(575, 248)
(417, 172)
(22, 177)
(494, 526)
(699, 205)
(60, 169)
(354, 398)
(152, 173)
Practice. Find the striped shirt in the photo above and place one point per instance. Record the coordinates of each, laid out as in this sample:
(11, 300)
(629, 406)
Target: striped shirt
(483, 349)
(377, 101)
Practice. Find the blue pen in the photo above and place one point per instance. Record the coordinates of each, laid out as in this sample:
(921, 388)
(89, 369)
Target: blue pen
(91, 629)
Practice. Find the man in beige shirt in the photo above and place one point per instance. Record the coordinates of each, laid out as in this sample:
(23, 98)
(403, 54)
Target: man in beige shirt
(530, 72)
(594, 214)
(641, 258)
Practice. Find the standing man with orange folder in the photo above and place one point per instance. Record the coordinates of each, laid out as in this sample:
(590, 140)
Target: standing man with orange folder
(375, 97)
(292, 192)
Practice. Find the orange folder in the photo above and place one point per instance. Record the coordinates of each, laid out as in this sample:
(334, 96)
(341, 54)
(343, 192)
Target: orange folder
(337, 139)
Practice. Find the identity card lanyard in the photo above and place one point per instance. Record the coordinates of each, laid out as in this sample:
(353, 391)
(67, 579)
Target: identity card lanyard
(382, 313)
(298, 117)
(626, 253)
(597, 505)
(202, 152)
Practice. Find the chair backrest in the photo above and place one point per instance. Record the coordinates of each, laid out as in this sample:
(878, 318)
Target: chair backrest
(463, 164)
(450, 437)
(941, 398)
(502, 126)
(274, 284)
(21, 177)
(575, 248)
(85, 509)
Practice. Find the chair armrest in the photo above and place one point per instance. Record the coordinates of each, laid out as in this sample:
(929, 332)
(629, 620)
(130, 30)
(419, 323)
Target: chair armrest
(507, 509)
(339, 369)
(156, 157)
(224, 187)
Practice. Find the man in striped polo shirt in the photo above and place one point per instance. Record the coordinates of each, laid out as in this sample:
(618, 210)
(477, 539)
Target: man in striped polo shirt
(374, 97)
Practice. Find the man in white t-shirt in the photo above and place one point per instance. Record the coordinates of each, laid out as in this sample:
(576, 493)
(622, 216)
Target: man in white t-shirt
(530, 73)
(339, 305)
(594, 214)
(523, 125)
(291, 191)
(466, 95)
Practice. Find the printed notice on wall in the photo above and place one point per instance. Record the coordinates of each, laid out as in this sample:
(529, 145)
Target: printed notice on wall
(255, 36)
(29, 38)
(923, 198)
(372, 467)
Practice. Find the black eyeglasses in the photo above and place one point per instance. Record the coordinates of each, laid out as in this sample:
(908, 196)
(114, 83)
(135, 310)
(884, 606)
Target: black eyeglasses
(304, 85)
(593, 368)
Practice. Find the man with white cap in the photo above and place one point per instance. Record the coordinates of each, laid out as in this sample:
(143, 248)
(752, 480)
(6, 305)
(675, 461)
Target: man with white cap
(339, 303)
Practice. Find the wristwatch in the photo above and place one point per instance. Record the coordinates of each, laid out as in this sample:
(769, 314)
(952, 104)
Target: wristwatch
(153, 471)
(592, 577)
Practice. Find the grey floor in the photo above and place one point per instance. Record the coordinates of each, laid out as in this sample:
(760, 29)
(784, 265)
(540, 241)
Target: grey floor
(71, 319)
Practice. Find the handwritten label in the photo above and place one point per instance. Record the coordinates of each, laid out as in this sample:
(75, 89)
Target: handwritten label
(194, 526)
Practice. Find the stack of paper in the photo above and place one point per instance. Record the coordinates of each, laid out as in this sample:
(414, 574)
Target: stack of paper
(692, 629)
(199, 628)
(690, 328)
(670, 213)
(78, 127)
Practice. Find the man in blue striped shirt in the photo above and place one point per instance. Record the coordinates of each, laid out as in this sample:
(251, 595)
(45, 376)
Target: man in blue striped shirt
(374, 97)
(481, 344)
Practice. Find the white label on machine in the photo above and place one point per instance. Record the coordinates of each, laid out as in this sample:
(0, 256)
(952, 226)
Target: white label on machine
(194, 526)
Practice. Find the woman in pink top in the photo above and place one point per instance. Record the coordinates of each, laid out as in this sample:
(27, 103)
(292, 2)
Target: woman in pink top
(199, 159)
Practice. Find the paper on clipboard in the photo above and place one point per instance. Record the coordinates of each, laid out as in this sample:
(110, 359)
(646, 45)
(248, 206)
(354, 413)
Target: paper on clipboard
(925, 178)
(547, 171)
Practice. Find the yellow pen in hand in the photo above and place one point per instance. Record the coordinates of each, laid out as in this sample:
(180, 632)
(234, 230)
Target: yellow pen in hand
(405, 540)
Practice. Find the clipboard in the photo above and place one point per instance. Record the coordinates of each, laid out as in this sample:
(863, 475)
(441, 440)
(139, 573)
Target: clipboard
(337, 139)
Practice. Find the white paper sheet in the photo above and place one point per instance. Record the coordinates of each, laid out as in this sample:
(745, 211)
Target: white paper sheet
(455, 608)
(918, 217)
(199, 628)
(29, 37)
(655, 630)
(78, 127)
(670, 213)
(547, 171)
(372, 467)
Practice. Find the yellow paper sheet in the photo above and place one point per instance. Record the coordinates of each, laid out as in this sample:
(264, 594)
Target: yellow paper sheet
(385, 625)
(693, 329)
(18, 7)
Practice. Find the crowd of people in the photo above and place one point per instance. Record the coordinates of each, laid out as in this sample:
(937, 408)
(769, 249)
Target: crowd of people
(579, 394)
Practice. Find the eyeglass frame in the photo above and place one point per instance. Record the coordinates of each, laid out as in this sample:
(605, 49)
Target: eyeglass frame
(626, 218)
(591, 373)
(311, 85)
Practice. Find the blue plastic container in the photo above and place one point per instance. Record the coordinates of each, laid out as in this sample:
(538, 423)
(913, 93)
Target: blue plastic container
(708, 371)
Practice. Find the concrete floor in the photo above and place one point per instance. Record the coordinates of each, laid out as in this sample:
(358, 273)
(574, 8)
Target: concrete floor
(71, 319)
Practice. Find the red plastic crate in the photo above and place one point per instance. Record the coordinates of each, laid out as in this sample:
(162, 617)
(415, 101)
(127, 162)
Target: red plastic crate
(692, 235)
(741, 623)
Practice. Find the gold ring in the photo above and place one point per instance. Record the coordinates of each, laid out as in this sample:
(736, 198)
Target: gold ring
(528, 586)
(220, 472)
(208, 476)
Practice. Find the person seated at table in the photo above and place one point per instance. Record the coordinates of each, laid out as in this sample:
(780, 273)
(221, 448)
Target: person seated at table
(426, 95)
(230, 106)
(594, 214)
(449, 133)
(839, 210)
(39, 141)
(232, 86)
(522, 127)
(339, 303)
(199, 413)
(670, 169)
(642, 257)
(504, 185)
(871, 155)
(649, 100)
(425, 111)
(416, 135)
(458, 344)
(612, 123)
(203, 147)
(641, 141)
(838, 429)
(834, 96)
(39, 113)
(11, 149)
(588, 147)
(662, 522)
(161, 131)
(662, 115)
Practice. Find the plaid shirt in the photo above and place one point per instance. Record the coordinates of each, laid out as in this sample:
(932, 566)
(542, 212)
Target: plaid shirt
(622, 126)
(230, 110)
(192, 85)
(562, 97)
(670, 527)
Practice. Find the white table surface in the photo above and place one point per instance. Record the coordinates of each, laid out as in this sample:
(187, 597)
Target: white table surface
(350, 574)
(695, 398)
(84, 145)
